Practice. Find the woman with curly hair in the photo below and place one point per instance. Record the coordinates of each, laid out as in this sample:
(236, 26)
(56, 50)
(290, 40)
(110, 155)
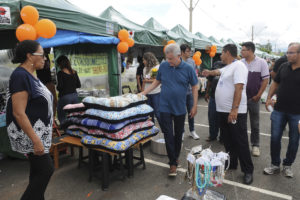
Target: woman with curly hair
(151, 67)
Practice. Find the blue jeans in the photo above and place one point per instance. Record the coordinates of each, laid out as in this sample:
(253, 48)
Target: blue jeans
(278, 122)
(153, 101)
(189, 106)
(173, 136)
(62, 102)
(213, 119)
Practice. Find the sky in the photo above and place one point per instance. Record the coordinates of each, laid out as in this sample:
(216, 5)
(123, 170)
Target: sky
(274, 21)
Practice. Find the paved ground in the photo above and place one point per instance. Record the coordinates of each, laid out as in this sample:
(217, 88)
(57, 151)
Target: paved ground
(68, 182)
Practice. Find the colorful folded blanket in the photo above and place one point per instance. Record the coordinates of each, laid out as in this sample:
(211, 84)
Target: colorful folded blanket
(119, 116)
(108, 127)
(117, 103)
(119, 135)
(118, 146)
(70, 108)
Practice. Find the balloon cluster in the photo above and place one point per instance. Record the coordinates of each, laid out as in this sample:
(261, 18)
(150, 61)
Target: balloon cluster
(125, 41)
(212, 51)
(169, 42)
(197, 58)
(33, 28)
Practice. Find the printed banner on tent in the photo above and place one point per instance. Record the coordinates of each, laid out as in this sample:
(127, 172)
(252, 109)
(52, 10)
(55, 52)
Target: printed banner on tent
(5, 15)
(90, 65)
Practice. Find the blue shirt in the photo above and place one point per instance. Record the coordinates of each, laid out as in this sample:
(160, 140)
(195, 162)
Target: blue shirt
(175, 82)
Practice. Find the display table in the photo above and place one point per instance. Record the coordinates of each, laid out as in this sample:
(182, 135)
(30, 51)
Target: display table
(74, 141)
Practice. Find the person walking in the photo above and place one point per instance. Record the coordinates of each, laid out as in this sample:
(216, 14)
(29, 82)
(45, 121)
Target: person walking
(67, 82)
(186, 56)
(258, 78)
(231, 102)
(212, 82)
(29, 117)
(150, 63)
(174, 76)
(286, 85)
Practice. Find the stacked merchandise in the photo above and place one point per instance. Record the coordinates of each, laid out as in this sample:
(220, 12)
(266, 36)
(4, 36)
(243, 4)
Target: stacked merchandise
(113, 124)
(205, 169)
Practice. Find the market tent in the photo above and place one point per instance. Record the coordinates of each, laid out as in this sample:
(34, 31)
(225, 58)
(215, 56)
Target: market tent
(237, 44)
(64, 14)
(142, 35)
(193, 40)
(217, 43)
(155, 25)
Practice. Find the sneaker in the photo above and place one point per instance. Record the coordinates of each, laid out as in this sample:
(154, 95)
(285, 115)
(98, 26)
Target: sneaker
(194, 135)
(287, 171)
(173, 171)
(255, 151)
(273, 169)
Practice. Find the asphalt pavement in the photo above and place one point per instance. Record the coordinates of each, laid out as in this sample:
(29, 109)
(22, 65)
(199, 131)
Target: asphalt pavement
(69, 182)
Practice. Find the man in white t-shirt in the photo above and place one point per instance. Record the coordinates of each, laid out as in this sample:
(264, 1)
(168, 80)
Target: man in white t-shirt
(231, 103)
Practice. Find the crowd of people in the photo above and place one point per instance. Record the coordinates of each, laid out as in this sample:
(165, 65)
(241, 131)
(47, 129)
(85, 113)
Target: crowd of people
(234, 89)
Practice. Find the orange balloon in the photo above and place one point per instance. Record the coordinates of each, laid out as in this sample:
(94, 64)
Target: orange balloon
(171, 42)
(198, 62)
(25, 32)
(198, 52)
(196, 57)
(130, 42)
(122, 47)
(123, 35)
(30, 15)
(212, 54)
(213, 48)
(45, 28)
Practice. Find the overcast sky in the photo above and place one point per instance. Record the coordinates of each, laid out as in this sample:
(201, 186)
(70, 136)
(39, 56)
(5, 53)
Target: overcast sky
(276, 21)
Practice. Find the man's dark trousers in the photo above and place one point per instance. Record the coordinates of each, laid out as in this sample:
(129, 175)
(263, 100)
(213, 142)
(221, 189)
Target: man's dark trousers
(172, 134)
(235, 139)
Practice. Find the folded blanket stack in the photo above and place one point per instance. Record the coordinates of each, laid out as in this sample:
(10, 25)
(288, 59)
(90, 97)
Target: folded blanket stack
(114, 123)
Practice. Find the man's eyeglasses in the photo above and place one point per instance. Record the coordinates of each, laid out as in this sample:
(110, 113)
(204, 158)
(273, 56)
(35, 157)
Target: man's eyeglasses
(292, 52)
(39, 54)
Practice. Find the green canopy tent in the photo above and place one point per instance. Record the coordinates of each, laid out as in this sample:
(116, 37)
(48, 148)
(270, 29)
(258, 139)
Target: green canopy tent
(155, 25)
(237, 44)
(217, 43)
(195, 42)
(142, 35)
(64, 14)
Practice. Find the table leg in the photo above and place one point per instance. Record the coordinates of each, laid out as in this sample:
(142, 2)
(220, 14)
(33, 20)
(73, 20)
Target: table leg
(105, 171)
(80, 157)
(129, 158)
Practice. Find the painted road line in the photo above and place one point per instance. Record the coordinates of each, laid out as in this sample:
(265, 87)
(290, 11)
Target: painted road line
(263, 112)
(228, 182)
(264, 134)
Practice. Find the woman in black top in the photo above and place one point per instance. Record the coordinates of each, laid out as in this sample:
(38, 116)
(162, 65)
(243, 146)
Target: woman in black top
(67, 82)
(29, 117)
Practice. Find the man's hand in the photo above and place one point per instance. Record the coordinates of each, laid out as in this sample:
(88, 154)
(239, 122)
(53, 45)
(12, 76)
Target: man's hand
(256, 98)
(206, 97)
(206, 73)
(233, 115)
(268, 103)
(193, 111)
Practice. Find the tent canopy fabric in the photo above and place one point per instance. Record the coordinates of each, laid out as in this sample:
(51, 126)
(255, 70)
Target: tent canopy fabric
(217, 43)
(154, 24)
(64, 37)
(142, 35)
(64, 14)
(194, 40)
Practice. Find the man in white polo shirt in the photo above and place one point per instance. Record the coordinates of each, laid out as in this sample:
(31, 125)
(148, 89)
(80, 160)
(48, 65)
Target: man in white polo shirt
(231, 103)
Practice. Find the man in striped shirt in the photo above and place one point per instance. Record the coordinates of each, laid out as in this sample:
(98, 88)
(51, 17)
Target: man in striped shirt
(258, 78)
